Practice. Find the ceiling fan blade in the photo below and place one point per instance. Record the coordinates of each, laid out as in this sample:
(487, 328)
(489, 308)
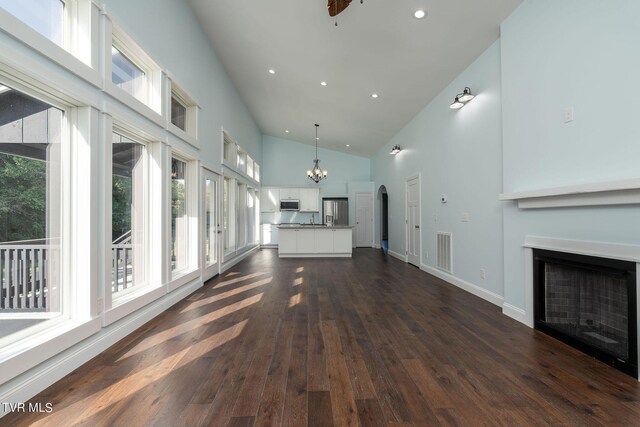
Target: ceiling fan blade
(336, 6)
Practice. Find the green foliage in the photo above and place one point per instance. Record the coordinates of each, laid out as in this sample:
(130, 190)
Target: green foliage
(121, 206)
(23, 207)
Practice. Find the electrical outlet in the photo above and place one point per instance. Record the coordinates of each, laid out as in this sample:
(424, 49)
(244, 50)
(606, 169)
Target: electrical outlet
(568, 114)
(483, 273)
(100, 305)
(465, 217)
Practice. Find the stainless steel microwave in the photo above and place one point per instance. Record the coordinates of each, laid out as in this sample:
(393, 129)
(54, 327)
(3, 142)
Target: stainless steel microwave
(289, 205)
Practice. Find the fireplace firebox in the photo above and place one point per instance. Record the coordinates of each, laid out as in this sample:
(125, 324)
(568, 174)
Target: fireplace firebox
(589, 303)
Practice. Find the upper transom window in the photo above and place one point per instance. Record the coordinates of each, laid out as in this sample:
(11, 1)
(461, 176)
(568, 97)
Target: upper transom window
(44, 16)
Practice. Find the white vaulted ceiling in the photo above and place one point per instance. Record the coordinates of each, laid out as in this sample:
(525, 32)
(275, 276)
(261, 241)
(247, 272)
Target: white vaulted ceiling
(378, 47)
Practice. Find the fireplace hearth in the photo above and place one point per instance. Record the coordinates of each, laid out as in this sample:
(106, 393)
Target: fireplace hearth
(589, 303)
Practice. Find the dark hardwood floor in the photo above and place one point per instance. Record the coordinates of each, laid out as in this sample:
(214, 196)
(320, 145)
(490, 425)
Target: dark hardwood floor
(365, 341)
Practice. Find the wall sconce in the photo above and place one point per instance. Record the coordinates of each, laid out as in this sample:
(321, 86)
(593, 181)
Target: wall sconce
(462, 99)
(396, 149)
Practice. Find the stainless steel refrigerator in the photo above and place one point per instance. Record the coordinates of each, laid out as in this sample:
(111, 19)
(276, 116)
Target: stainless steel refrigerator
(335, 211)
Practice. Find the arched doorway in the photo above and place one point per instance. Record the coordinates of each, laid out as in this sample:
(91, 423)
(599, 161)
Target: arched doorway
(383, 200)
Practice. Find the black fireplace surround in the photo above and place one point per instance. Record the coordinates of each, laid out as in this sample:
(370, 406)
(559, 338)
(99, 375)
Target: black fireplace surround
(589, 303)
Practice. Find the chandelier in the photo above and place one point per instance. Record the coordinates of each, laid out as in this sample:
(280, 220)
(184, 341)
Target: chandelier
(316, 174)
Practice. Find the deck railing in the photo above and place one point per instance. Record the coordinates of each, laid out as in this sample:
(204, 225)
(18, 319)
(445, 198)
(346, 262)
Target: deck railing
(121, 267)
(24, 271)
(23, 277)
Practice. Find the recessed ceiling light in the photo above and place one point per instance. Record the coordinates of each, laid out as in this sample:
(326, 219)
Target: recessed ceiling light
(374, 95)
(419, 14)
(323, 83)
(286, 131)
(348, 145)
(272, 71)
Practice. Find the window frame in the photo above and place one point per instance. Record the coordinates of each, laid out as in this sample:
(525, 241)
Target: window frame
(78, 261)
(136, 289)
(80, 55)
(151, 102)
(190, 132)
(180, 277)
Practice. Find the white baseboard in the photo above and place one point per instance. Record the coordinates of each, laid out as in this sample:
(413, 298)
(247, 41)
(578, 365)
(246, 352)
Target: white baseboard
(397, 255)
(515, 313)
(233, 261)
(32, 382)
(377, 246)
(476, 290)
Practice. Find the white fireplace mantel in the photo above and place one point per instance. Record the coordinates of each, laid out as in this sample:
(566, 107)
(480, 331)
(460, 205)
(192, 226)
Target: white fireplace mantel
(622, 192)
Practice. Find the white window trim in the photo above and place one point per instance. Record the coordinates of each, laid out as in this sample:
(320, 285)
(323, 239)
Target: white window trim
(77, 54)
(213, 268)
(151, 104)
(187, 274)
(79, 262)
(127, 130)
(190, 134)
(232, 164)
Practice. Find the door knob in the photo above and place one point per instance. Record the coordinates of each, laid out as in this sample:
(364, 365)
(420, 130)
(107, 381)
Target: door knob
(417, 226)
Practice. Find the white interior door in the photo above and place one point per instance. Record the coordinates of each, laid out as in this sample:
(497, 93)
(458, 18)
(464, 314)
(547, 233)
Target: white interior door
(364, 220)
(211, 226)
(413, 221)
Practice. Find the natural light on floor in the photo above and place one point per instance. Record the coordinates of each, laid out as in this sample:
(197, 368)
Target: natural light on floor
(135, 382)
(198, 322)
(226, 294)
(237, 279)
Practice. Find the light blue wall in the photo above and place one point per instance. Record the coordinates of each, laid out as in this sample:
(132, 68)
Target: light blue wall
(459, 155)
(286, 163)
(169, 32)
(555, 54)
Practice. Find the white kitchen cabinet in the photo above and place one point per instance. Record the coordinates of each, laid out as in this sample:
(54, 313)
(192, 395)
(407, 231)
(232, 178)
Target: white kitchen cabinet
(305, 241)
(314, 242)
(324, 242)
(309, 200)
(342, 240)
(288, 241)
(289, 194)
(270, 199)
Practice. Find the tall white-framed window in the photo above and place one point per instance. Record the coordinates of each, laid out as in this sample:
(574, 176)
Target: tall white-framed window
(229, 209)
(184, 218)
(47, 285)
(130, 213)
(241, 214)
(179, 216)
(31, 239)
(251, 214)
(256, 218)
(211, 218)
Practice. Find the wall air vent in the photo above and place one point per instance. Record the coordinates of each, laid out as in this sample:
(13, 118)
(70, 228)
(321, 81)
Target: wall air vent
(444, 251)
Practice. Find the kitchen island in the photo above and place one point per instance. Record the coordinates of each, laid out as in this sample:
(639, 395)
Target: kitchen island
(307, 241)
